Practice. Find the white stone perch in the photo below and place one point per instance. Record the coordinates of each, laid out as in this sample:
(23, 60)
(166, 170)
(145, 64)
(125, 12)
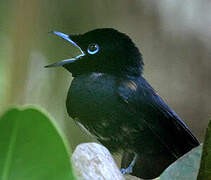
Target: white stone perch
(92, 161)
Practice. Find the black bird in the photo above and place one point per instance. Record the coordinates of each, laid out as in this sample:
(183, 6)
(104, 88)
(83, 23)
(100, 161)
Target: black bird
(112, 100)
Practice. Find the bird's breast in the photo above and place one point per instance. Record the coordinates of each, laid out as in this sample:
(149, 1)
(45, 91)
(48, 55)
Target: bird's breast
(93, 101)
(91, 95)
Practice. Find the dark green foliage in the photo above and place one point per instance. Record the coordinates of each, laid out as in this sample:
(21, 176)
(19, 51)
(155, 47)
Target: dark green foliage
(205, 166)
(31, 147)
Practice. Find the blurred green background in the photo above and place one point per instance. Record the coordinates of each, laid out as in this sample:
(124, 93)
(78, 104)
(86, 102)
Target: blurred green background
(174, 37)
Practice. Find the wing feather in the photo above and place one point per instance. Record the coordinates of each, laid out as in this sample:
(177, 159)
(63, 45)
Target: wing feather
(161, 120)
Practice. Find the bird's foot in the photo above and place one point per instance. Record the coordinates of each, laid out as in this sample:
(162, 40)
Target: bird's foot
(129, 169)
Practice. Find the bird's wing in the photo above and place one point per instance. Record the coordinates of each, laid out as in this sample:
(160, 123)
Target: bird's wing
(163, 122)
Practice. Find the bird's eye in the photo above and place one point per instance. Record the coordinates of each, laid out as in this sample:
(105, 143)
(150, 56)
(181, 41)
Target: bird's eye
(93, 48)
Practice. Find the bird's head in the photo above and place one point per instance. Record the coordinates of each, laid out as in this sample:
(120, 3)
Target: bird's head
(102, 51)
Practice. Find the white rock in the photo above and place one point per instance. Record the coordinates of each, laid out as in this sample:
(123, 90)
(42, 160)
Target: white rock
(92, 161)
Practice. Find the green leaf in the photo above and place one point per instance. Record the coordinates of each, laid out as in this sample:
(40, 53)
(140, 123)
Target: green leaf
(31, 148)
(205, 166)
(185, 168)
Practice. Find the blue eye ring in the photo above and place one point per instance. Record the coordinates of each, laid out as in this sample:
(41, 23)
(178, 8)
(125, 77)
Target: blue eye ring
(93, 48)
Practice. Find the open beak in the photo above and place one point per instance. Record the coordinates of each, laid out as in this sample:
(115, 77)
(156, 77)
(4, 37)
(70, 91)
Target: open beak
(66, 61)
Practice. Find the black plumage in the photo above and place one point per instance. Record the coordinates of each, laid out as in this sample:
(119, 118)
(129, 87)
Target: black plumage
(111, 99)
